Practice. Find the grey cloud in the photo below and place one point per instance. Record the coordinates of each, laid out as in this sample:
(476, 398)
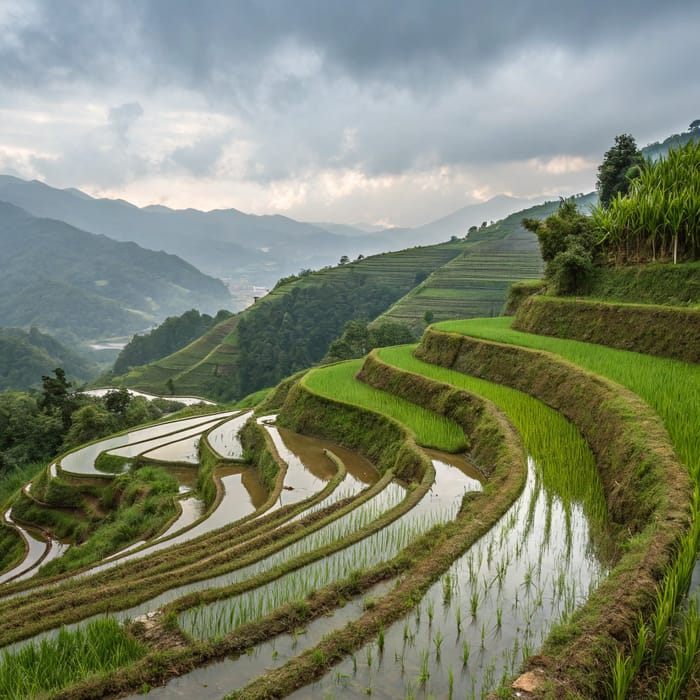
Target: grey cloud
(201, 157)
(418, 84)
(122, 118)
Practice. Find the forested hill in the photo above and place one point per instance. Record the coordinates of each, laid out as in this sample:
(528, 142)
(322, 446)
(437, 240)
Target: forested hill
(25, 356)
(76, 284)
(173, 334)
(292, 328)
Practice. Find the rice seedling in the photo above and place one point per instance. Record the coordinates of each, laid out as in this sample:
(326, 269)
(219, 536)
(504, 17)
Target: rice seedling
(220, 618)
(69, 657)
(338, 383)
(424, 674)
(438, 639)
(686, 654)
(465, 653)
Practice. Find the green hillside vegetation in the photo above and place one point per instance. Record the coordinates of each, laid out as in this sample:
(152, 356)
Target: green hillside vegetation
(656, 149)
(476, 283)
(75, 284)
(659, 218)
(27, 355)
(291, 328)
(173, 334)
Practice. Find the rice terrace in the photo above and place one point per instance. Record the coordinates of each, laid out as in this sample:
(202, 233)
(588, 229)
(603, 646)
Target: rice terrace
(508, 508)
(468, 467)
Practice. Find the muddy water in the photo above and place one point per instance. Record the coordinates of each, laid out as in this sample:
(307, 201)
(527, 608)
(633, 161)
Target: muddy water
(500, 600)
(82, 461)
(214, 681)
(300, 481)
(191, 510)
(37, 547)
(439, 505)
(224, 439)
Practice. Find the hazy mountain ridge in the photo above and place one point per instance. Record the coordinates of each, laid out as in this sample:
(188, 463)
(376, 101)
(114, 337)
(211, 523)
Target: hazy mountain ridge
(75, 283)
(231, 244)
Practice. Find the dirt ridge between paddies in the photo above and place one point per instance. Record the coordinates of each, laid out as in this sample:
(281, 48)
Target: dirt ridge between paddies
(665, 331)
(136, 581)
(493, 438)
(648, 494)
(425, 559)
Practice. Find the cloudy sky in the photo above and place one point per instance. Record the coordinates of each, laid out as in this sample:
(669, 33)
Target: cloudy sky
(330, 110)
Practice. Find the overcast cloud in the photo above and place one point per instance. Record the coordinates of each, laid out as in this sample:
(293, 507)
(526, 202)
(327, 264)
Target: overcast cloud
(370, 111)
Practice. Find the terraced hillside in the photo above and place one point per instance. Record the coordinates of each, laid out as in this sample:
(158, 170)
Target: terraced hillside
(541, 543)
(290, 328)
(475, 283)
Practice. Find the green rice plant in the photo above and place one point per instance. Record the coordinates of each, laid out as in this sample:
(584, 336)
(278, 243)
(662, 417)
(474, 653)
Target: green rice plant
(221, 618)
(560, 444)
(68, 658)
(338, 382)
(672, 389)
(424, 674)
(465, 653)
(686, 655)
(438, 639)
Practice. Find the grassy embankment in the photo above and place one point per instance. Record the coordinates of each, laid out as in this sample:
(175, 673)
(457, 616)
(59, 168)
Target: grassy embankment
(666, 331)
(671, 388)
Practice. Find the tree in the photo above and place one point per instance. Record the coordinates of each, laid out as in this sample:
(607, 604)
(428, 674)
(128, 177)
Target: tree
(694, 125)
(617, 164)
(428, 317)
(344, 260)
(567, 246)
(117, 401)
(56, 396)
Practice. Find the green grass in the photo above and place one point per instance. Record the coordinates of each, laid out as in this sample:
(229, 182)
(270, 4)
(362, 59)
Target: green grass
(70, 657)
(338, 382)
(146, 504)
(560, 444)
(672, 389)
(11, 547)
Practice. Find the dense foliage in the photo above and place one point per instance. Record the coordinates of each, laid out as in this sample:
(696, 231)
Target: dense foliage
(620, 165)
(35, 427)
(359, 338)
(566, 242)
(294, 333)
(26, 355)
(174, 333)
(660, 216)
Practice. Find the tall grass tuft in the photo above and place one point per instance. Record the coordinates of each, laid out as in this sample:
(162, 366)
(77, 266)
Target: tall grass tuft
(52, 664)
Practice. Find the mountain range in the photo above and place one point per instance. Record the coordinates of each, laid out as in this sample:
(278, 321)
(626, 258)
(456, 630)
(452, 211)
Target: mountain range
(230, 244)
(79, 285)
